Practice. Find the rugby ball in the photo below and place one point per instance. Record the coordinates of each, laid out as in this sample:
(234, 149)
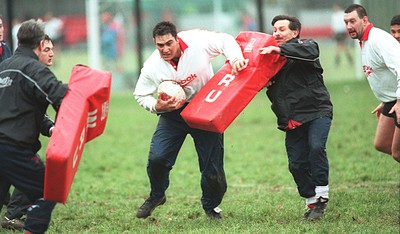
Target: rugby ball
(171, 89)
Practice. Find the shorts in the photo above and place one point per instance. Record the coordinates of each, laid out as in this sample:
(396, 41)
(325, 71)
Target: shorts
(387, 106)
(340, 37)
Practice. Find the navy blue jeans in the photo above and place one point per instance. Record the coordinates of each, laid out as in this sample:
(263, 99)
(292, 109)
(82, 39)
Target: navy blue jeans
(166, 142)
(25, 171)
(306, 150)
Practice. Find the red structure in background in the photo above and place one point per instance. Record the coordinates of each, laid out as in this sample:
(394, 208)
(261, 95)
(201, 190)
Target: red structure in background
(75, 29)
(321, 31)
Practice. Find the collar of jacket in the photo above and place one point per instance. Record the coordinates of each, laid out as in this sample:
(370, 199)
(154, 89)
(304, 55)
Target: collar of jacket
(293, 40)
(26, 51)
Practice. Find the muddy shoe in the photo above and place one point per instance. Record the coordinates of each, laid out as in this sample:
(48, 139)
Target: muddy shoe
(148, 206)
(13, 224)
(214, 214)
(316, 210)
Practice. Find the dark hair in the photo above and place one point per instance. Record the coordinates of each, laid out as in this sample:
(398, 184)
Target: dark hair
(31, 33)
(294, 22)
(47, 38)
(361, 12)
(395, 20)
(164, 28)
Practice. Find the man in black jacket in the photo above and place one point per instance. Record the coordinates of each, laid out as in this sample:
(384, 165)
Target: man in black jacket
(27, 87)
(302, 104)
(18, 203)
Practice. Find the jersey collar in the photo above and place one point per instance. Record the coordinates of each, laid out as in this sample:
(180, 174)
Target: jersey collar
(182, 44)
(366, 33)
(183, 47)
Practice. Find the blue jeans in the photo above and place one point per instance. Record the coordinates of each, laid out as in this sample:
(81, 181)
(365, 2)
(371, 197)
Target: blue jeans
(166, 142)
(306, 150)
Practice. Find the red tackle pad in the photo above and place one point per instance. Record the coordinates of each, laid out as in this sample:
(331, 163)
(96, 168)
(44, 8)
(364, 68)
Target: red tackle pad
(222, 99)
(82, 117)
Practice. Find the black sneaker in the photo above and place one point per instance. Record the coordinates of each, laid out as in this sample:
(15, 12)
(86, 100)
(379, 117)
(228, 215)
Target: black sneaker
(148, 206)
(316, 210)
(214, 214)
(13, 224)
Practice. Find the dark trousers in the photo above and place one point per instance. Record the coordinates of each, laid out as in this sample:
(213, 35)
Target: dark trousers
(24, 170)
(166, 142)
(18, 205)
(307, 157)
(6, 199)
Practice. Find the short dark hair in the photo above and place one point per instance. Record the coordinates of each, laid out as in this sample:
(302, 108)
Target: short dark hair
(361, 12)
(395, 20)
(31, 33)
(47, 38)
(164, 28)
(294, 22)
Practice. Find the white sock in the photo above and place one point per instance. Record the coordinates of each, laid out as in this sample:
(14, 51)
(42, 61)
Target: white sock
(320, 191)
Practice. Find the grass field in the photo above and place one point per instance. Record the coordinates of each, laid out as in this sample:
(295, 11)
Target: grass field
(111, 182)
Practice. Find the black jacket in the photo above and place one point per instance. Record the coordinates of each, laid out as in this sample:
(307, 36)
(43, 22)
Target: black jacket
(27, 87)
(298, 93)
